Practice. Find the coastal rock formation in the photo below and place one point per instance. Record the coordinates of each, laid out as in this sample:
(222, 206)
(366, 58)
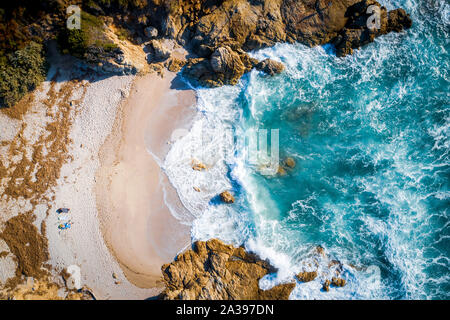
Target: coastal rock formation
(249, 25)
(360, 16)
(225, 67)
(227, 197)
(289, 162)
(270, 66)
(213, 28)
(198, 166)
(159, 51)
(214, 270)
(338, 282)
(306, 276)
(214, 32)
(326, 285)
(175, 64)
(151, 32)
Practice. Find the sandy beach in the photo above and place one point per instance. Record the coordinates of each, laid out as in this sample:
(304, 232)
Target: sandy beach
(85, 142)
(137, 225)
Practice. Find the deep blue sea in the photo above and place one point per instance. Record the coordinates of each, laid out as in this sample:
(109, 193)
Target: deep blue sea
(370, 137)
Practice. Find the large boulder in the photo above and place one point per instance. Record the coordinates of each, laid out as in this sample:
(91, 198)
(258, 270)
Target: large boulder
(224, 60)
(398, 20)
(160, 51)
(213, 270)
(151, 32)
(269, 66)
(227, 197)
(224, 67)
(357, 32)
(314, 22)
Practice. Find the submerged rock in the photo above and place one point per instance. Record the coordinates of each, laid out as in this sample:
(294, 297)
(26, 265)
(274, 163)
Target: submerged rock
(227, 197)
(213, 270)
(289, 162)
(281, 171)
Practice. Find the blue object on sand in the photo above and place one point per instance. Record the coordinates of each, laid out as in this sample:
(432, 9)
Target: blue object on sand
(64, 226)
(63, 210)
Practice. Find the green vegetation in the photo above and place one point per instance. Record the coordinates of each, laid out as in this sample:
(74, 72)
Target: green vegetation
(24, 27)
(123, 34)
(92, 33)
(21, 72)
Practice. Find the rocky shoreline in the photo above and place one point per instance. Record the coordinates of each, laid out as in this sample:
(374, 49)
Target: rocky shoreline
(144, 36)
(213, 270)
(218, 34)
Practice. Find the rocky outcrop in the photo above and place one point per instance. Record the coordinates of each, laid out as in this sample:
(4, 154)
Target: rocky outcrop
(214, 270)
(306, 276)
(224, 67)
(363, 25)
(217, 30)
(270, 66)
(227, 65)
(227, 197)
(326, 285)
(198, 166)
(151, 32)
(158, 51)
(338, 282)
(250, 25)
(289, 162)
(176, 64)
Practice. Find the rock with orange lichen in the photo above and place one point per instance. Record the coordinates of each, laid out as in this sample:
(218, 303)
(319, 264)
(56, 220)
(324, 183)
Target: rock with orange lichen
(198, 166)
(338, 282)
(227, 197)
(176, 64)
(44, 289)
(326, 285)
(306, 276)
(213, 270)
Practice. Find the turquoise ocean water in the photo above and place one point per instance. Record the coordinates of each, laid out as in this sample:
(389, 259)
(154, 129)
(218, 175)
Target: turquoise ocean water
(370, 136)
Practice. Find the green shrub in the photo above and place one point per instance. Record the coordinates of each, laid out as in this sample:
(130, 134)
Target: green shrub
(92, 34)
(73, 41)
(123, 34)
(21, 72)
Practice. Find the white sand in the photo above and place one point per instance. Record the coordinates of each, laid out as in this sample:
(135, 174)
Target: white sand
(137, 224)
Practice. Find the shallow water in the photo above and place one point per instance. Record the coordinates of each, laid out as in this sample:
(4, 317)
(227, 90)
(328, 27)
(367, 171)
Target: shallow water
(370, 136)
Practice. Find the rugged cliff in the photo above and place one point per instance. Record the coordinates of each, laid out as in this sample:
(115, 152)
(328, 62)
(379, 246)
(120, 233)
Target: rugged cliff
(227, 29)
(214, 270)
